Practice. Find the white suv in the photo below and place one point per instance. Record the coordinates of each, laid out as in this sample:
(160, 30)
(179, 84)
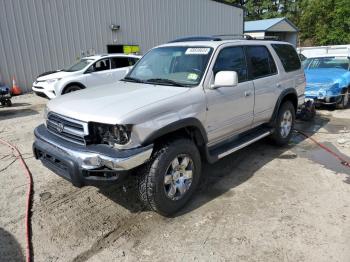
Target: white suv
(98, 70)
(183, 103)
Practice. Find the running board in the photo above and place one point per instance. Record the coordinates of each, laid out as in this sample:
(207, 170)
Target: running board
(233, 145)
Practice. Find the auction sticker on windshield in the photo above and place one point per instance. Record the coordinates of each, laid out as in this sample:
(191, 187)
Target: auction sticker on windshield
(192, 76)
(197, 51)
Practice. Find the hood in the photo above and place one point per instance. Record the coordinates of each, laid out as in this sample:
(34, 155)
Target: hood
(323, 77)
(59, 74)
(111, 104)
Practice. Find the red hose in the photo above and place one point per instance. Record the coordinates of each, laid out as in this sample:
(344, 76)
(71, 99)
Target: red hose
(341, 159)
(28, 196)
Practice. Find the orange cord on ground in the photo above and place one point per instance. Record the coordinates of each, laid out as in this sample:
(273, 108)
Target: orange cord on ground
(30, 183)
(342, 160)
(28, 196)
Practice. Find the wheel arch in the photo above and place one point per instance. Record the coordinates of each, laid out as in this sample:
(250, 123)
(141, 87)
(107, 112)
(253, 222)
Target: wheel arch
(189, 127)
(73, 84)
(289, 94)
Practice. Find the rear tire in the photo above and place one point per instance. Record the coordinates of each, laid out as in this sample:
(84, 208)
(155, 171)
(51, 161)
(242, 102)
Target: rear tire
(165, 184)
(71, 89)
(344, 100)
(284, 124)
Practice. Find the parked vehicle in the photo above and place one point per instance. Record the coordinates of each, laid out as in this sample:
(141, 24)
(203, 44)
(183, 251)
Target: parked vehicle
(328, 79)
(5, 95)
(98, 70)
(324, 50)
(183, 103)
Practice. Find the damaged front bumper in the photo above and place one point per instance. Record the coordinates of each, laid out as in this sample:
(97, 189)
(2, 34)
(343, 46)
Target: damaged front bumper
(324, 97)
(86, 165)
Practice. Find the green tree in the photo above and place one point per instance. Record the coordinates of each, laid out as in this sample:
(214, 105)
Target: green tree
(325, 22)
(263, 9)
(321, 22)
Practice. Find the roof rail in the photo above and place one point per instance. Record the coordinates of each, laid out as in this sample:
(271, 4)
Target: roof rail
(269, 37)
(195, 38)
(212, 38)
(234, 37)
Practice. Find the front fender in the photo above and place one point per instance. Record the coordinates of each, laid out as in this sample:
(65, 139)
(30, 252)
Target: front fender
(177, 125)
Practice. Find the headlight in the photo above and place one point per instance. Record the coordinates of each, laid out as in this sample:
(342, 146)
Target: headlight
(112, 135)
(50, 81)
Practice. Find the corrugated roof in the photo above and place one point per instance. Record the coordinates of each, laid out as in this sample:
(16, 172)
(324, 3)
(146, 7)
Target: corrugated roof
(227, 3)
(265, 24)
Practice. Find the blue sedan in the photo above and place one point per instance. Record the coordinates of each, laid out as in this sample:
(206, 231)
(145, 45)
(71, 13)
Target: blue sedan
(328, 79)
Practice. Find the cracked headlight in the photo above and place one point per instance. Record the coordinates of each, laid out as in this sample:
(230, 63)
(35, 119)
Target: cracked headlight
(113, 135)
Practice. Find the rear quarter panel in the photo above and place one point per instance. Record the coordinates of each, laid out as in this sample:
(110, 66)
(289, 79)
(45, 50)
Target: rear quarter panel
(294, 79)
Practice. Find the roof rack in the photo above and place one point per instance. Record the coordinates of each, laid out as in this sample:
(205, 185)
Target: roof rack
(212, 38)
(269, 37)
(224, 37)
(195, 38)
(234, 37)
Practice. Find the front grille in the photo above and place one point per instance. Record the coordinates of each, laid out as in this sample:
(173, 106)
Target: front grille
(69, 129)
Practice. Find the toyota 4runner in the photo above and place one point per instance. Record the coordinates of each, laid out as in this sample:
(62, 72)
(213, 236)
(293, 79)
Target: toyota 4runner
(183, 103)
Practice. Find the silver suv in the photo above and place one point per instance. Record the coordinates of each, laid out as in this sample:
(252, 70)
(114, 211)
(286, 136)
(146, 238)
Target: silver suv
(183, 103)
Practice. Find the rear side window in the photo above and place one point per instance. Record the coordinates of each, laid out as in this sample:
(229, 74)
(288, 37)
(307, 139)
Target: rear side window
(260, 61)
(288, 56)
(118, 62)
(232, 59)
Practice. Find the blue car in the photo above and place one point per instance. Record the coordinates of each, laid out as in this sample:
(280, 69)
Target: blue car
(328, 80)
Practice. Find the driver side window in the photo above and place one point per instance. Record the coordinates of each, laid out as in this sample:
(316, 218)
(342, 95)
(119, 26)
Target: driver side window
(232, 59)
(101, 65)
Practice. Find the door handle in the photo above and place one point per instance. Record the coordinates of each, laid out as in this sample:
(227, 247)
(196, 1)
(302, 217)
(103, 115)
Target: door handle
(247, 93)
(278, 85)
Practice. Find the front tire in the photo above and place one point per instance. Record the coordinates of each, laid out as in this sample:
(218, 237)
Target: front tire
(344, 100)
(71, 89)
(284, 124)
(171, 177)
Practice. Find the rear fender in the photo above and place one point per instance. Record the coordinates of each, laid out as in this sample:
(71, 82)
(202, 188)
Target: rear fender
(286, 94)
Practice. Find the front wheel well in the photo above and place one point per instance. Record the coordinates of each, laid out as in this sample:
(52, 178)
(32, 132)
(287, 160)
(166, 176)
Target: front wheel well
(73, 84)
(189, 132)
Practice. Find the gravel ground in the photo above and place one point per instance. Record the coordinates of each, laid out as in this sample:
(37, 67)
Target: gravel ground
(260, 204)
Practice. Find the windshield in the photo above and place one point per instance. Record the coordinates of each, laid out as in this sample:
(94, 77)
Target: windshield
(327, 62)
(176, 65)
(79, 65)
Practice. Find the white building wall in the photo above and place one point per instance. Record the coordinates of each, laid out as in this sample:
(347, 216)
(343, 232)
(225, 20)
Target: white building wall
(43, 35)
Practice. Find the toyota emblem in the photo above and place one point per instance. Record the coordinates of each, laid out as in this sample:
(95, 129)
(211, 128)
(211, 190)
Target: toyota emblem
(59, 127)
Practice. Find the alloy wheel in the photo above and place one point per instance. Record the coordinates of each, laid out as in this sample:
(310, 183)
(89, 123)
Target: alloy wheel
(178, 177)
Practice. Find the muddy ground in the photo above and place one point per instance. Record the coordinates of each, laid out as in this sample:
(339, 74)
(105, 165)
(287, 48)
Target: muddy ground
(260, 204)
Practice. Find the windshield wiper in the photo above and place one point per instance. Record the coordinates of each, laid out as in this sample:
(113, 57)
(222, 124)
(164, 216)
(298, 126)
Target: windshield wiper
(163, 81)
(132, 79)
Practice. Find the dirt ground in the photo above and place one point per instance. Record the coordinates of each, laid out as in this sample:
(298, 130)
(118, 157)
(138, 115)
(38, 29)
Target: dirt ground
(260, 204)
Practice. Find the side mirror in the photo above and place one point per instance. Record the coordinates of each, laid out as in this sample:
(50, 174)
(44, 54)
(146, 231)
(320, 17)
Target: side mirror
(225, 79)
